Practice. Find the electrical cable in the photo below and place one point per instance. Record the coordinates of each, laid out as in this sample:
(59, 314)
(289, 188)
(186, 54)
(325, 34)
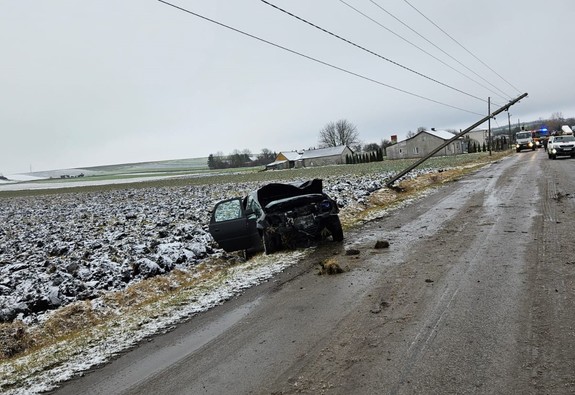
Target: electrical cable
(447, 54)
(371, 52)
(314, 59)
(458, 43)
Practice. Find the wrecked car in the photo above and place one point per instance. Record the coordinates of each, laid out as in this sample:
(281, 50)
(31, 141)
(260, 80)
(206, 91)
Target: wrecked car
(276, 216)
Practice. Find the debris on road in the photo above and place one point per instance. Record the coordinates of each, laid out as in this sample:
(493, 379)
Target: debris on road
(330, 266)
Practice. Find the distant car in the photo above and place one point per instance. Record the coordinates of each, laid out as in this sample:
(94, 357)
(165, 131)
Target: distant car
(524, 140)
(563, 145)
(276, 216)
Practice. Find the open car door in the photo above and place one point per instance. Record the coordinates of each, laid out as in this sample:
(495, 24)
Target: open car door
(232, 228)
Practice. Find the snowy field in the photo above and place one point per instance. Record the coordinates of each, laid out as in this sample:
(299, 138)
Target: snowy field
(57, 249)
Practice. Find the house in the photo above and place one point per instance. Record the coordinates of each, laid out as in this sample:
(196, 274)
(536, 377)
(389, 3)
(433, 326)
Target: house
(284, 160)
(478, 135)
(324, 156)
(310, 158)
(423, 143)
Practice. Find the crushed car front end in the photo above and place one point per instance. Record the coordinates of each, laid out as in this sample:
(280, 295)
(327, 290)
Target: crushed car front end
(301, 219)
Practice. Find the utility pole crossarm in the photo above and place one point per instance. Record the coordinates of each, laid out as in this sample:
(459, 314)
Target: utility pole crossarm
(445, 144)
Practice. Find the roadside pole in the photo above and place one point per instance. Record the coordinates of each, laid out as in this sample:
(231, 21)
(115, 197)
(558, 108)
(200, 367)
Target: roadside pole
(489, 142)
(509, 127)
(389, 184)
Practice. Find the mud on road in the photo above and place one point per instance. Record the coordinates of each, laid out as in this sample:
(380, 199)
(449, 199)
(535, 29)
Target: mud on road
(475, 294)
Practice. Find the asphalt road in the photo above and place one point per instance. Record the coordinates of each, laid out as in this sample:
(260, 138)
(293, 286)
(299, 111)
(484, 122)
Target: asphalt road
(476, 294)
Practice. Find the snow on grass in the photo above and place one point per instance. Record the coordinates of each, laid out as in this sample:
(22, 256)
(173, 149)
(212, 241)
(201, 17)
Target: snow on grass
(43, 370)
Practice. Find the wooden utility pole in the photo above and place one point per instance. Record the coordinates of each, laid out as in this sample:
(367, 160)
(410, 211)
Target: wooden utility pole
(509, 127)
(489, 125)
(445, 144)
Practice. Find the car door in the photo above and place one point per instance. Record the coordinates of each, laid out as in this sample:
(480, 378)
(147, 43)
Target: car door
(232, 228)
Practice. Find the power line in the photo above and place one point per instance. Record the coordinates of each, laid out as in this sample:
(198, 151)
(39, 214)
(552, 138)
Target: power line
(453, 58)
(421, 49)
(371, 52)
(314, 59)
(458, 43)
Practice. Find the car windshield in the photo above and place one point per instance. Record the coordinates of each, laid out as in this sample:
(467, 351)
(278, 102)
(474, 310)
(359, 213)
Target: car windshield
(564, 139)
(525, 135)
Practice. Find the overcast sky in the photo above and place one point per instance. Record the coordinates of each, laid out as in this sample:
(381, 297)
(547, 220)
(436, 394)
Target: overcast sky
(89, 83)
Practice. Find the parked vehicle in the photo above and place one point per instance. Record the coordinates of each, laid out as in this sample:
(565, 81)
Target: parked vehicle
(540, 137)
(562, 145)
(524, 140)
(276, 216)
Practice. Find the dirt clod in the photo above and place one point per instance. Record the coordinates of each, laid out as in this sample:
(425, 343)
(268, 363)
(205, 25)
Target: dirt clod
(381, 244)
(330, 266)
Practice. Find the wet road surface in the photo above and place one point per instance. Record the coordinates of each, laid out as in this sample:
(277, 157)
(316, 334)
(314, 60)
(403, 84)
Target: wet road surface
(476, 294)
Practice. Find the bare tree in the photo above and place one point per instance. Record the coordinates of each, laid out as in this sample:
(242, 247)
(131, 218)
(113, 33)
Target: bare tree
(266, 156)
(371, 147)
(339, 133)
(384, 144)
(410, 134)
(557, 116)
(240, 158)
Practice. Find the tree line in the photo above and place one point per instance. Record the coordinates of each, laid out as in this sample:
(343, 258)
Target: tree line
(240, 159)
(333, 134)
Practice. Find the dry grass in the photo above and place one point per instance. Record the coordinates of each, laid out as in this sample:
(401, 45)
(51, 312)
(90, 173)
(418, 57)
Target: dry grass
(14, 339)
(69, 319)
(384, 199)
(71, 330)
(17, 339)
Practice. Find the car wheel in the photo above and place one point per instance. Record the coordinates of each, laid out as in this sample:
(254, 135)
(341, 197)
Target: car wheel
(270, 243)
(553, 156)
(517, 150)
(335, 229)
(550, 156)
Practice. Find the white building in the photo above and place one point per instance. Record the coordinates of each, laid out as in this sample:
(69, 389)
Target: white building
(423, 143)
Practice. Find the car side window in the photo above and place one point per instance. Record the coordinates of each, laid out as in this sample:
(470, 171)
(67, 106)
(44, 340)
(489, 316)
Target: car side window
(227, 211)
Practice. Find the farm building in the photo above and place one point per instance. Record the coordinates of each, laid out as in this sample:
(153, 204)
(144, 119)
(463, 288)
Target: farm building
(310, 158)
(284, 160)
(478, 135)
(423, 143)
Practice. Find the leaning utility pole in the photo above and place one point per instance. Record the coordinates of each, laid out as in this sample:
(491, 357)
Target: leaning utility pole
(445, 144)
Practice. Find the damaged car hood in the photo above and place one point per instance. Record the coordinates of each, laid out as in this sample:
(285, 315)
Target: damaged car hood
(274, 192)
